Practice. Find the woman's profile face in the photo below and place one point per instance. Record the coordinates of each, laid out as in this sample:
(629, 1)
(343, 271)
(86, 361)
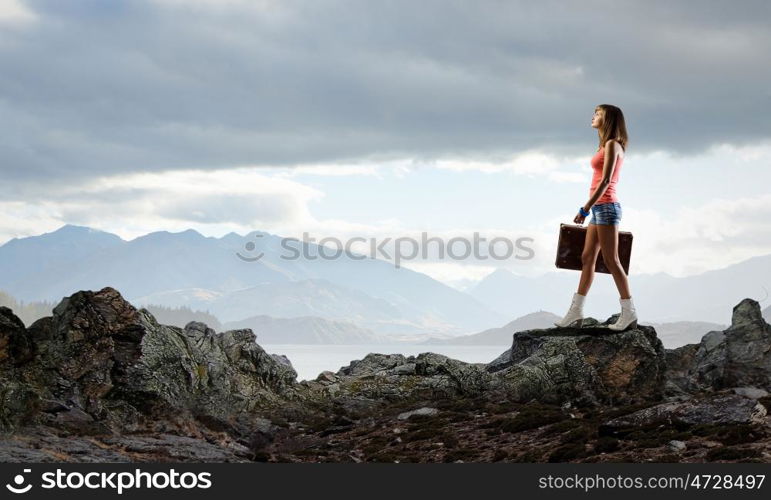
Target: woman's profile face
(597, 118)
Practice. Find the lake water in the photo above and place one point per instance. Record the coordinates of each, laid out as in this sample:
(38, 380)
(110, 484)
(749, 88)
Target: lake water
(310, 360)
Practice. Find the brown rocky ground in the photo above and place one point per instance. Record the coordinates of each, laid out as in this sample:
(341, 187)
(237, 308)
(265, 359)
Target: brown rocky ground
(475, 430)
(460, 430)
(102, 381)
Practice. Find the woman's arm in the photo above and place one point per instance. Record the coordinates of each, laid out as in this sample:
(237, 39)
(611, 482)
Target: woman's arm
(608, 166)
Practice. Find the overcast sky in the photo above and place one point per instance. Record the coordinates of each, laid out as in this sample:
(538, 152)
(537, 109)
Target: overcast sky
(381, 119)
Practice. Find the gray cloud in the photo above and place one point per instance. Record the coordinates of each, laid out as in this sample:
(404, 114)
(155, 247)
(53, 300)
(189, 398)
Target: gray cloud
(241, 209)
(95, 88)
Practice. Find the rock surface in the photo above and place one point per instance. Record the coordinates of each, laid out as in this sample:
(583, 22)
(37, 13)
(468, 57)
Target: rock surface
(712, 409)
(737, 356)
(98, 365)
(590, 364)
(101, 380)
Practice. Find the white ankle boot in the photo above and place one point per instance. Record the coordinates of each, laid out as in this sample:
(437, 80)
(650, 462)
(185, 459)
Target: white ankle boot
(575, 314)
(628, 316)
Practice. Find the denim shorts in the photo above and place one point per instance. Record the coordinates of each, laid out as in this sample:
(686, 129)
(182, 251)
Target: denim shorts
(606, 213)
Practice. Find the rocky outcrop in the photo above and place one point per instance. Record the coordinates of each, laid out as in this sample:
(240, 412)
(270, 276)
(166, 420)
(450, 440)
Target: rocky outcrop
(100, 367)
(719, 408)
(739, 356)
(15, 345)
(98, 364)
(590, 365)
(394, 377)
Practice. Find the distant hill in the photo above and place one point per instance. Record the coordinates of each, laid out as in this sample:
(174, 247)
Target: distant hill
(672, 335)
(181, 316)
(501, 336)
(306, 330)
(315, 297)
(679, 333)
(659, 297)
(27, 312)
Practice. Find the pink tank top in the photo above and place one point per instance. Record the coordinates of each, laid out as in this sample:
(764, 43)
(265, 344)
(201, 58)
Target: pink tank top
(610, 193)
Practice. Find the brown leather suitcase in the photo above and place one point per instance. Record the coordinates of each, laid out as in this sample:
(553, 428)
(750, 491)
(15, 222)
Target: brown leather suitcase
(571, 245)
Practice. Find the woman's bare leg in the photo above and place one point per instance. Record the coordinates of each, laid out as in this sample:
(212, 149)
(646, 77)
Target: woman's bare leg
(588, 258)
(608, 236)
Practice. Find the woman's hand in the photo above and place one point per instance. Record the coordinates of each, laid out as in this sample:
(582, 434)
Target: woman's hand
(580, 218)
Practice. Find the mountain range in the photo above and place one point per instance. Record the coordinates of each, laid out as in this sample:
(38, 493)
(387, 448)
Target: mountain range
(205, 273)
(306, 330)
(351, 297)
(657, 297)
(672, 335)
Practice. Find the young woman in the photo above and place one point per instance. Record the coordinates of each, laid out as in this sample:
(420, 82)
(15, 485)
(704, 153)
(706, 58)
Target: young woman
(602, 233)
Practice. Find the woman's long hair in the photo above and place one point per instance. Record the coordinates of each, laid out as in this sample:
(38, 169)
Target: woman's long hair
(613, 125)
